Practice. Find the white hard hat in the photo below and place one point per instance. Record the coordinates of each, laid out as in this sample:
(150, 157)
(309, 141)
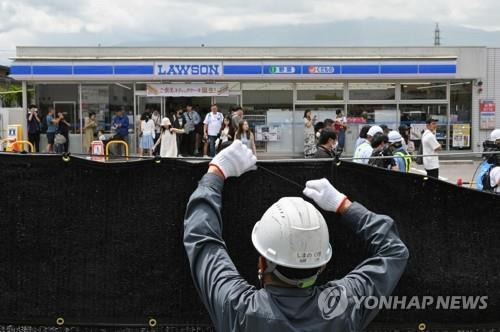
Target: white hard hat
(394, 137)
(373, 130)
(495, 135)
(293, 233)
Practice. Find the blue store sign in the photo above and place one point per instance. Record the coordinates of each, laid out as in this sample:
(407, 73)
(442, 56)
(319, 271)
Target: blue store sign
(251, 69)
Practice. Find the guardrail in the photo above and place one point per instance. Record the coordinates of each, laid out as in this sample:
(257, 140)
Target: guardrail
(117, 142)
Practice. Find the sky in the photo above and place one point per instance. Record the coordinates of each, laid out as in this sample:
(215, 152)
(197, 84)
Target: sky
(245, 23)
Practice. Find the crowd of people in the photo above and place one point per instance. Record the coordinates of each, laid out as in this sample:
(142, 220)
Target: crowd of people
(376, 145)
(326, 139)
(54, 124)
(314, 128)
(184, 133)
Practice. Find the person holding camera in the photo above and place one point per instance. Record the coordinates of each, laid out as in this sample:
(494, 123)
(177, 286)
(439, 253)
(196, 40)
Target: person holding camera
(52, 126)
(488, 178)
(381, 149)
(63, 130)
(34, 127)
(309, 136)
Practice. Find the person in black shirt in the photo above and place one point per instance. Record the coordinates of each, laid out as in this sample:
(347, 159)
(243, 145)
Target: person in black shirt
(327, 144)
(34, 127)
(380, 145)
(178, 123)
(63, 129)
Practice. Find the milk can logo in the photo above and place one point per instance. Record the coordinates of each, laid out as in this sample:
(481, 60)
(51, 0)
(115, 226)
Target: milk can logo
(332, 302)
(321, 70)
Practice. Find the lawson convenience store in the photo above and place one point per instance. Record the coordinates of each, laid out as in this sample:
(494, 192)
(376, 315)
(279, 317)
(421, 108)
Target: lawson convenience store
(274, 85)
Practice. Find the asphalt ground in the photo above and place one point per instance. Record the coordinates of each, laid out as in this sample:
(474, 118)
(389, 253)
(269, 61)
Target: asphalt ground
(452, 170)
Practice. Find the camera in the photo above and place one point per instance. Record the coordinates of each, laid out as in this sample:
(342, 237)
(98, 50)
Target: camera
(491, 146)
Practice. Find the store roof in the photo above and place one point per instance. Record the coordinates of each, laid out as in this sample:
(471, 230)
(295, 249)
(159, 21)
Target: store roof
(30, 53)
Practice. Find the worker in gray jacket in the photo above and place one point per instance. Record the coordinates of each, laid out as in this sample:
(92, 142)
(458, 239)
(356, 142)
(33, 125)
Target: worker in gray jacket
(293, 242)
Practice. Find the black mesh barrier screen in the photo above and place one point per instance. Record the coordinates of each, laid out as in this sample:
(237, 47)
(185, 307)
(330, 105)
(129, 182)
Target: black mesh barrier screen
(100, 245)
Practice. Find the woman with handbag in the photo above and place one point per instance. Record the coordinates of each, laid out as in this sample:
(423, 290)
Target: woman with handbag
(62, 130)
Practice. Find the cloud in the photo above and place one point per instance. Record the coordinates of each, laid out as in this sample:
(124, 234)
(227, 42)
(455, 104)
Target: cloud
(111, 22)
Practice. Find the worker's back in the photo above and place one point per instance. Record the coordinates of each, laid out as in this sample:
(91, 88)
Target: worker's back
(323, 308)
(235, 305)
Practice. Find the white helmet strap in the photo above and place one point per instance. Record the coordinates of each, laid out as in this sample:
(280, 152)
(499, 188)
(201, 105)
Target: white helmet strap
(300, 283)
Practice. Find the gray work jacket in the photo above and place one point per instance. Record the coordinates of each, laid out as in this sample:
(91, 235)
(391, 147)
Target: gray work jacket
(235, 305)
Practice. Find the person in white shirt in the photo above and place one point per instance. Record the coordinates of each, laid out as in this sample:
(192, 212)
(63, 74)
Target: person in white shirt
(364, 150)
(430, 146)
(147, 135)
(212, 125)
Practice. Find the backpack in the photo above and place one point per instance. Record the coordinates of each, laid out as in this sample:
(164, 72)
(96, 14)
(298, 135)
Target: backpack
(486, 180)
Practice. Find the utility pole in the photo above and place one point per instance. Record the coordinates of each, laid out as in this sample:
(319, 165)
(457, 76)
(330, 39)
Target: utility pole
(437, 35)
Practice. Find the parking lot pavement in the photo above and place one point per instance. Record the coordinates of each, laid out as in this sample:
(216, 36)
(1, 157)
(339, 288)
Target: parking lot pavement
(452, 170)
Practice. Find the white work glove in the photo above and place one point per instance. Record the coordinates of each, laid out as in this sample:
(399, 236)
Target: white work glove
(234, 160)
(324, 194)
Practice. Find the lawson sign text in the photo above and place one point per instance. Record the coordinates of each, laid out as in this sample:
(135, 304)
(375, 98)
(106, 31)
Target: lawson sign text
(186, 69)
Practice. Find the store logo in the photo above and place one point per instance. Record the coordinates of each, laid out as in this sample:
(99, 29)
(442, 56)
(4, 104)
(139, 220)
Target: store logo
(188, 70)
(282, 69)
(321, 69)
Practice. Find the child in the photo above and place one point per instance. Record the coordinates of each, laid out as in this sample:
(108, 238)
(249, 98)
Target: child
(168, 139)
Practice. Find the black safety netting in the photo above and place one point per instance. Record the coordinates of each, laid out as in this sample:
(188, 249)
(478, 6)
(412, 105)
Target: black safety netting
(99, 245)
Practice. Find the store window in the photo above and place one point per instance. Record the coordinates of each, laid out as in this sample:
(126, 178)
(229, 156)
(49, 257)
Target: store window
(227, 103)
(105, 99)
(415, 115)
(460, 114)
(269, 111)
(320, 91)
(423, 90)
(319, 113)
(64, 98)
(372, 91)
(372, 114)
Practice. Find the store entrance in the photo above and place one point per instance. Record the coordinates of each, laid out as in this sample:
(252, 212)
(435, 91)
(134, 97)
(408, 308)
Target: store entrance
(200, 104)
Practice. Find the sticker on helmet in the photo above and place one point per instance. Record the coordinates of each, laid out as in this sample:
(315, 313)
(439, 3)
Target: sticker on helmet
(306, 257)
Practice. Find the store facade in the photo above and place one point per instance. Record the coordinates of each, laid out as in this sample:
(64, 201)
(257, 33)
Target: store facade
(391, 86)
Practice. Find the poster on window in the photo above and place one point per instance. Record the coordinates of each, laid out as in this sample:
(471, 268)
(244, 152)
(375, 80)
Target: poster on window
(487, 110)
(461, 136)
(187, 90)
(416, 130)
(268, 133)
